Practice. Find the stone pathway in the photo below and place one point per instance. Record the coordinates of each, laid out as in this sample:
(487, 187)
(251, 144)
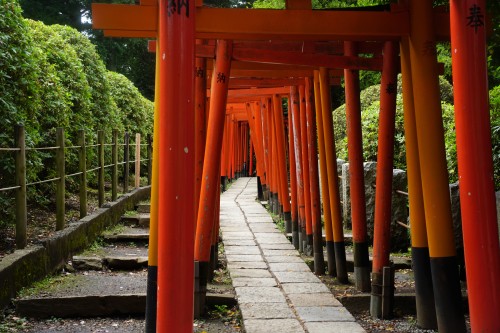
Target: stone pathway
(276, 290)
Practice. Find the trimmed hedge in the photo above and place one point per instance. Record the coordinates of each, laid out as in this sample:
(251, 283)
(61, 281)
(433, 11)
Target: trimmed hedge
(370, 108)
(52, 76)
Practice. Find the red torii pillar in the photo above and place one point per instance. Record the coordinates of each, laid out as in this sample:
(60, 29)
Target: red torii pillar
(308, 240)
(435, 187)
(356, 174)
(381, 297)
(294, 106)
(330, 249)
(211, 166)
(176, 168)
(293, 180)
(281, 154)
(475, 165)
(424, 291)
(319, 259)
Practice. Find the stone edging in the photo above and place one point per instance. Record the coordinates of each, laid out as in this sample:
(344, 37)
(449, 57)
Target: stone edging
(23, 267)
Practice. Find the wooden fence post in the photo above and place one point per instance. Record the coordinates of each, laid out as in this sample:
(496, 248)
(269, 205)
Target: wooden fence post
(137, 160)
(21, 210)
(114, 170)
(82, 156)
(126, 159)
(100, 147)
(149, 157)
(60, 185)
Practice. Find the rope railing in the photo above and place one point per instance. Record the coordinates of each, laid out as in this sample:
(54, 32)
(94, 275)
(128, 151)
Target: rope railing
(59, 148)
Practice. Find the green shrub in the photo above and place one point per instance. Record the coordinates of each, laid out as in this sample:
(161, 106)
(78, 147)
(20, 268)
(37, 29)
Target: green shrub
(103, 107)
(495, 133)
(20, 97)
(136, 112)
(370, 106)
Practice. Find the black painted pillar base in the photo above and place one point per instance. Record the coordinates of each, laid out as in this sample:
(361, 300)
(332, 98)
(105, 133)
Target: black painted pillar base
(260, 192)
(223, 182)
(213, 261)
(340, 260)
(295, 234)
(265, 193)
(276, 204)
(447, 294)
(301, 239)
(319, 262)
(424, 292)
(151, 298)
(287, 216)
(330, 256)
(308, 243)
(361, 267)
(382, 297)
(201, 270)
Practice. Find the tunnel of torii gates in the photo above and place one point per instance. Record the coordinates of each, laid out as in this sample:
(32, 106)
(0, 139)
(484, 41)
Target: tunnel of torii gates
(222, 75)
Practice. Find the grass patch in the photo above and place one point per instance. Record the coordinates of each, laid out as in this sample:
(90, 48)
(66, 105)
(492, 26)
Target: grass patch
(130, 213)
(46, 284)
(95, 249)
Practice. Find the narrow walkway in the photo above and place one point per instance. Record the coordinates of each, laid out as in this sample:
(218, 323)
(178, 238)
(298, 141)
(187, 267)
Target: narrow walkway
(276, 290)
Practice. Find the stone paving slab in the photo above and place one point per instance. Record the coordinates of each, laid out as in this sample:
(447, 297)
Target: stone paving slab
(242, 249)
(334, 327)
(264, 311)
(263, 227)
(323, 313)
(246, 265)
(317, 299)
(254, 282)
(288, 277)
(288, 267)
(279, 246)
(259, 295)
(238, 242)
(276, 290)
(274, 252)
(305, 288)
(243, 257)
(238, 235)
(273, 325)
(250, 273)
(232, 228)
(285, 259)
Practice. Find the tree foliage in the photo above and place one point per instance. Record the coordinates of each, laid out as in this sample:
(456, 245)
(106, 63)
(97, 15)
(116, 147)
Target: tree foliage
(52, 76)
(370, 108)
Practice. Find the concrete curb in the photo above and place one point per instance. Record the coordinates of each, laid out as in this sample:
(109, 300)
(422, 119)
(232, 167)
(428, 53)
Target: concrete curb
(23, 267)
(96, 305)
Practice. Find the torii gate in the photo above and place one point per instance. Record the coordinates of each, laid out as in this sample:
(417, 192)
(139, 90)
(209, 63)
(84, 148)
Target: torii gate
(174, 23)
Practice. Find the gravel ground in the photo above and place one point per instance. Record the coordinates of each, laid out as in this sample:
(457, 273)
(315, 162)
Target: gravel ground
(211, 324)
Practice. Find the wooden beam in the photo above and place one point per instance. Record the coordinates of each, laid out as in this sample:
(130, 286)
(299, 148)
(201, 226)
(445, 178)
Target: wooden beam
(124, 17)
(307, 59)
(255, 92)
(265, 24)
(272, 73)
(263, 83)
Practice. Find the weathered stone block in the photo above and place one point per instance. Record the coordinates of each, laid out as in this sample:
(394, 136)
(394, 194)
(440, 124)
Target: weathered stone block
(400, 240)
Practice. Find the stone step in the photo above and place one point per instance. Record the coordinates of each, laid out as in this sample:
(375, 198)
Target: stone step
(97, 294)
(141, 220)
(129, 234)
(86, 263)
(143, 208)
(127, 237)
